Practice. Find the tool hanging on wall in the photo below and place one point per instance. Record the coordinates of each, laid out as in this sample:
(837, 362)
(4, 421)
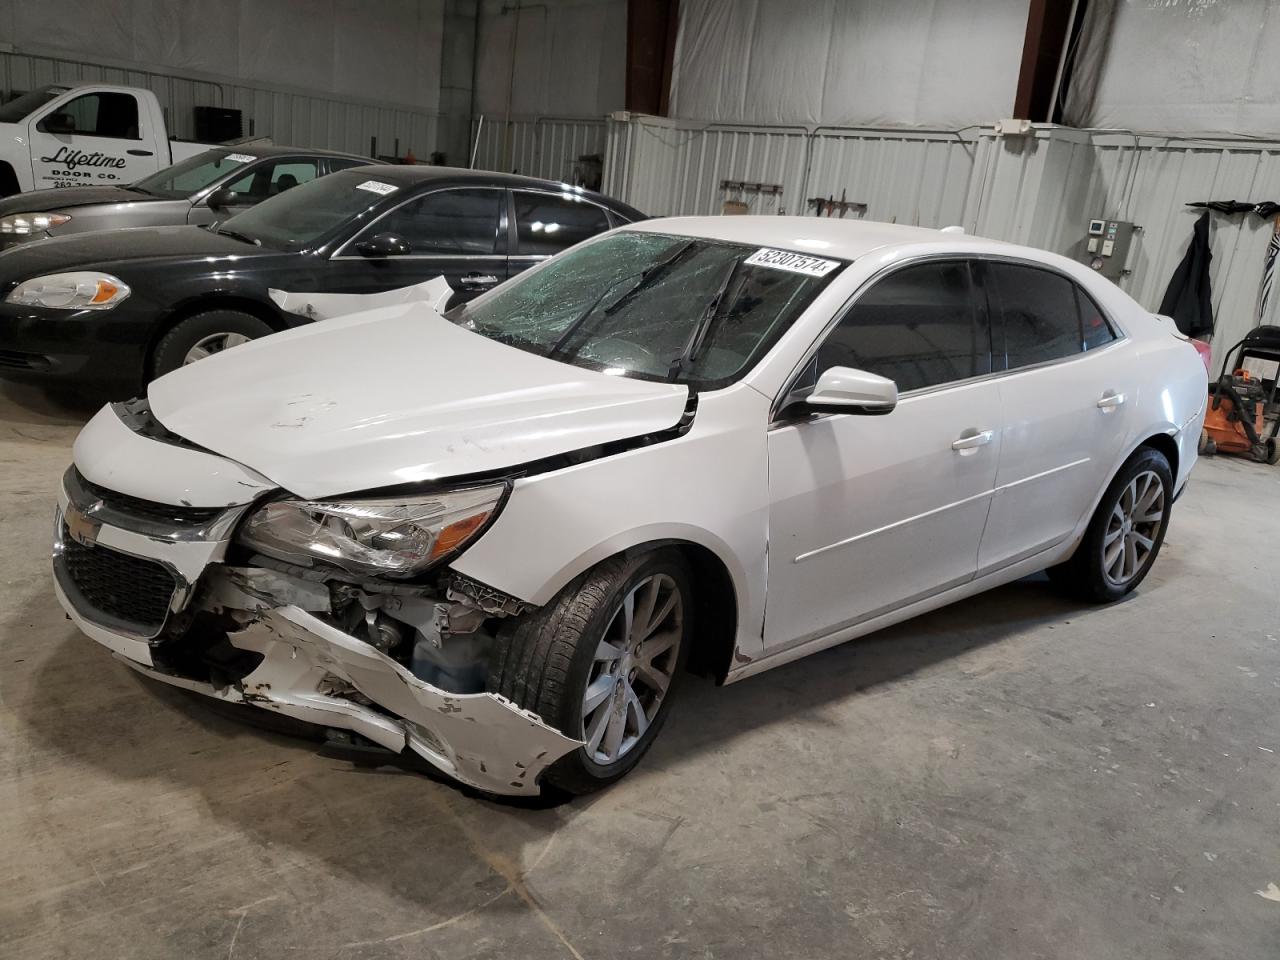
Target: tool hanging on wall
(830, 206)
(736, 204)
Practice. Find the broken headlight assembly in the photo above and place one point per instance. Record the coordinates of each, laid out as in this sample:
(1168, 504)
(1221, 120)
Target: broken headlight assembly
(385, 537)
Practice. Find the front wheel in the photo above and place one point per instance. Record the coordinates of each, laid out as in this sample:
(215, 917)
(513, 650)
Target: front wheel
(203, 335)
(600, 663)
(1126, 531)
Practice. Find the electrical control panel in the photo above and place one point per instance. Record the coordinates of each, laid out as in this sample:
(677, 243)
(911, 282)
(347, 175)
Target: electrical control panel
(1107, 247)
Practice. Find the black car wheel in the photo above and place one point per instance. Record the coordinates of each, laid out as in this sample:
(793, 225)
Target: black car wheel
(600, 663)
(203, 335)
(1126, 531)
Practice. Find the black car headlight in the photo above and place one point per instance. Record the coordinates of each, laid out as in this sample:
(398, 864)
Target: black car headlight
(78, 290)
(383, 537)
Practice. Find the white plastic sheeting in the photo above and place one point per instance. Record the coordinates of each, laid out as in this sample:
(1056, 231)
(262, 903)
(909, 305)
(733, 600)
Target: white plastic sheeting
(563, 57)
(1189, 66)
(928, 62)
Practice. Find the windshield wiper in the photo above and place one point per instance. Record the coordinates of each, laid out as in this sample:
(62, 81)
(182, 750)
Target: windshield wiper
(643, 279)
(698, 338)
(236, 235)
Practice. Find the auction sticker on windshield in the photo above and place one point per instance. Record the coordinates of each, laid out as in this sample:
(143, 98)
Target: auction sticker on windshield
(792, 262)
(376, 186)
(240, 158)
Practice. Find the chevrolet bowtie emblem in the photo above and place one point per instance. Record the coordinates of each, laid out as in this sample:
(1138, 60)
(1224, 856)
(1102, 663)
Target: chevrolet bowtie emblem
(82, 529)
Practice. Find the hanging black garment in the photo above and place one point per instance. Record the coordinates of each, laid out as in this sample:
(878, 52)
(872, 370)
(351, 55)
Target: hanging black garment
(1187, 298)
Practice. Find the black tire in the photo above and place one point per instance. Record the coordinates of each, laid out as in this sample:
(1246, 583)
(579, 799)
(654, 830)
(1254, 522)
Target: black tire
(545, 660)
(1273, 451)
(1085, 574)
(173, 347)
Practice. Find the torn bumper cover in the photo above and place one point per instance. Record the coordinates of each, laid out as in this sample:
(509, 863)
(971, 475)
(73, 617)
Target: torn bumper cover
(310, 669)
(480, 739)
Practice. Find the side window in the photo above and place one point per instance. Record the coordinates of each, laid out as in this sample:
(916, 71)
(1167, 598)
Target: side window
(919, 327)
(104, 114)
(448, 222)
(547, 224)
(344, 163)
(268, 179)
(1039, 317)
(1094, 327)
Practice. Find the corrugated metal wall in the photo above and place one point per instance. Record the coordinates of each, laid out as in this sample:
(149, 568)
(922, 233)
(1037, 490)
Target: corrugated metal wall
(536, 146)
(286, 117)
(1040, 190)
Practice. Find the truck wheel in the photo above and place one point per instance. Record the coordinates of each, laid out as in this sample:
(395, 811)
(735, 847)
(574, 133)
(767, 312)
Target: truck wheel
(204, 335)
(600, 663)
(1125, 534)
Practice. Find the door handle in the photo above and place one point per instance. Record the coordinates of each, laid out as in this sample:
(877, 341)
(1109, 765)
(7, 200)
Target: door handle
(972, 439)
(475, 281)
(1110, 400)
(140, 153)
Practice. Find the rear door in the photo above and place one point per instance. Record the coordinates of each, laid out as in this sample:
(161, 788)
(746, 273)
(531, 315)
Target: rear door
(458, 233)
(108, 143)
(1065, 402)
(545, 223)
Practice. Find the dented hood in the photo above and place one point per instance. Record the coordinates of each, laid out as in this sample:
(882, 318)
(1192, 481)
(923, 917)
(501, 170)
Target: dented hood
(397, 395)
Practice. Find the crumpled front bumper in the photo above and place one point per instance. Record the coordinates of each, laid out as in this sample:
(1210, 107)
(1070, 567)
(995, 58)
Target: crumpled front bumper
(480, 739)
(310, 670)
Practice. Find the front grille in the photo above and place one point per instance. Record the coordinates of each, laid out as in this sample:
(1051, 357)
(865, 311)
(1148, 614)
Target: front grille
(14, 360)
(121, 587)
(166, 513)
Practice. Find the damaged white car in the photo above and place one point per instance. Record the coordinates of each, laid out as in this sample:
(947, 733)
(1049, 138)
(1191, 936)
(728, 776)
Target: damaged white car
(496, 536)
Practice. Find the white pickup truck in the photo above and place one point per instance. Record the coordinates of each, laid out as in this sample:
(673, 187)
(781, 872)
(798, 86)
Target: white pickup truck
(84, 134)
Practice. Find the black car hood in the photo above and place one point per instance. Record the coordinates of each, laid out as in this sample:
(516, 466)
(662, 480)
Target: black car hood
(63, 198)
(106, 247)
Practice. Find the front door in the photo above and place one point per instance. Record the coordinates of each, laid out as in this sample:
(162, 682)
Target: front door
(869, 513)
(1065, 399)
(459, 234)
(95, 139)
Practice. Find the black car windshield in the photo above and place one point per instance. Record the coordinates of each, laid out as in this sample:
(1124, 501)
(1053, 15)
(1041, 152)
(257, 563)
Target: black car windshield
(310, 211)
(192, 175)
(32, 100)
(653, 306)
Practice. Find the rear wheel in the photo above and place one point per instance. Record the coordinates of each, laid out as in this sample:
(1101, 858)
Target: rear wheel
(600, 663)
(1126, 531)
(203, 335)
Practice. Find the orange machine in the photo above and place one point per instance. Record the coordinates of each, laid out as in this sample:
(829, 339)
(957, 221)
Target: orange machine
(1239, 401)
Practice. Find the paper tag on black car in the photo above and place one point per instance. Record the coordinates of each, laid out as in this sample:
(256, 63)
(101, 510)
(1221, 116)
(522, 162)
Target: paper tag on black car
(376, 186)
(791, 262)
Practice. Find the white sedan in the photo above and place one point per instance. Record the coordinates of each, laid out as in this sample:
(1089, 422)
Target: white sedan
(496, 536)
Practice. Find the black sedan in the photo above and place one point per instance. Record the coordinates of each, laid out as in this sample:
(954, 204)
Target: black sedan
(118, 308)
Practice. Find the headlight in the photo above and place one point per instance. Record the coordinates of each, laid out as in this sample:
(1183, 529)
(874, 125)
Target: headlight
(28, 223)
(385, 537)
(82, 290)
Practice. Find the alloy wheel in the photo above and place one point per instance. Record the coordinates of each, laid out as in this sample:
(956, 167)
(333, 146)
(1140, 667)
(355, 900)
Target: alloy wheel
(634, 664)
(1133, 528)
(214, 343)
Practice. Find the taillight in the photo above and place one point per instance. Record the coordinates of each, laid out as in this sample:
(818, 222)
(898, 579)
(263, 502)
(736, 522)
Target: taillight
(1205, 352)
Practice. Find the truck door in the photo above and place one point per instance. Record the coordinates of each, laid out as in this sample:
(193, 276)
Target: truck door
(94, 138)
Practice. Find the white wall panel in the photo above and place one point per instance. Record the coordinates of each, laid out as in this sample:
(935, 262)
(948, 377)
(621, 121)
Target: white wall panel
(855, 62)
(536, 146)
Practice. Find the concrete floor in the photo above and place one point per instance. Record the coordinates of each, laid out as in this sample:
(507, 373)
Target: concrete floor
(1014, 777)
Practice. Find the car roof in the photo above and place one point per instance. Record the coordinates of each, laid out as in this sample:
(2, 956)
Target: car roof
(817, 236)
(274, 150)
(407, 174)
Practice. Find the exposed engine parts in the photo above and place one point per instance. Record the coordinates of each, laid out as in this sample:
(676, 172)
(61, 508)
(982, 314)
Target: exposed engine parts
(445, 642)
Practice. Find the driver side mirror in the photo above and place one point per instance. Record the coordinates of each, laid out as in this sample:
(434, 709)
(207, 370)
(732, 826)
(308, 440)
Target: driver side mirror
(845, 390)
(222, 200)
(59, 123)
(384, 245)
